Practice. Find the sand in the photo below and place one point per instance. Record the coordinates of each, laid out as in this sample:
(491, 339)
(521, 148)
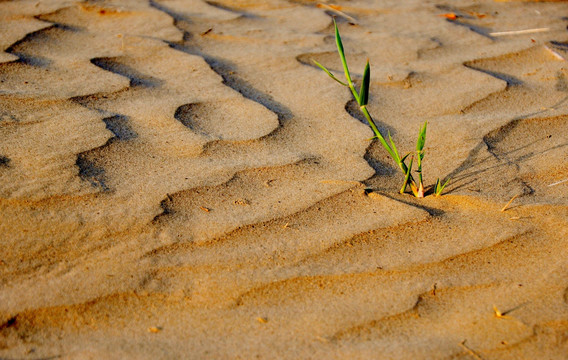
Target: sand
(179, 180)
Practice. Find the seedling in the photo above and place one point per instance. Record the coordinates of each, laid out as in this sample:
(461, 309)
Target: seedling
(362, 98)
(439, 187)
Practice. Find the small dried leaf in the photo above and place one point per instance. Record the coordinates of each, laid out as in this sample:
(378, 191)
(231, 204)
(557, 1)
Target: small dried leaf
(449, 16)
(477, 15)
(509, 203)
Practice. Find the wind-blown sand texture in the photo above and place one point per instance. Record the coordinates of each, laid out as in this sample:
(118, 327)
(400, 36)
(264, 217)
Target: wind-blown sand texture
(178, 180)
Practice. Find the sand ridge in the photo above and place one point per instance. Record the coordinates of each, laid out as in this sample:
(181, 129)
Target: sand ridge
(179, 180)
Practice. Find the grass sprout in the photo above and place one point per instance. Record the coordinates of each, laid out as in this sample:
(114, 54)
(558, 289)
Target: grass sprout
(362, 97)
(439, 187)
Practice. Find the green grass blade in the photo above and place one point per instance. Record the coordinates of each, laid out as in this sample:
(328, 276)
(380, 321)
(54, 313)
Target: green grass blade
(374, 127)
(419, 157)
(364, 92)
(341, 52)
(421, 138)
(395, 150)
(355, 95)
(443, 186)
(404, 168)
(386, 146)
(439, 188)
(407, 175)
(329, 73)
(414, 189)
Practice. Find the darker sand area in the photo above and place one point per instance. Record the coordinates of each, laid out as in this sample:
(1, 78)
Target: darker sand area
(178, 180)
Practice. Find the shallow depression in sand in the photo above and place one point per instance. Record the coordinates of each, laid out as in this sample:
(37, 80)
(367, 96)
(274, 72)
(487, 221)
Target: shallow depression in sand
(179, 180)
(235, 119)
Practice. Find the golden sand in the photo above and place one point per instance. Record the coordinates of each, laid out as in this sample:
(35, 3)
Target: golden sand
(178, 180)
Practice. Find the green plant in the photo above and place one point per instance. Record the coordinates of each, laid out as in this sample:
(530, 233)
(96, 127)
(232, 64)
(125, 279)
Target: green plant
(362, 98)
(439, 187)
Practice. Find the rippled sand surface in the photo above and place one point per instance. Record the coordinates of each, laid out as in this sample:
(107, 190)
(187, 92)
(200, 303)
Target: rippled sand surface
(178, 180)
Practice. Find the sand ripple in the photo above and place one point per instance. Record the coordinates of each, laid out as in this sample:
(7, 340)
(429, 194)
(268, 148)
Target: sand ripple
(178, 178)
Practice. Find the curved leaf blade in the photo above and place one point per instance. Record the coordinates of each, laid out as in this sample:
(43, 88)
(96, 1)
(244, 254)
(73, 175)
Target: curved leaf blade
(407, 176)
(440, 187)
(329, 73)
(341, 52)
(364, 92)
(395, 150)
(421, 138)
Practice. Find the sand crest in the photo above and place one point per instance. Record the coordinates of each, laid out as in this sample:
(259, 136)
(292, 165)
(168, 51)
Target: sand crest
(179, 180)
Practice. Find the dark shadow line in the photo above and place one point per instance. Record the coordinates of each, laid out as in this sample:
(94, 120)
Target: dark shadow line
(120, 127)
(510, 79)
(227, 71)
(224, 7)
(38, 61)
(90, 172)
(136, 78)
(32, 60)
(434, 212)
(353, 109)
(490, 141)
(177, 17)
(474, 28)
(560, 45)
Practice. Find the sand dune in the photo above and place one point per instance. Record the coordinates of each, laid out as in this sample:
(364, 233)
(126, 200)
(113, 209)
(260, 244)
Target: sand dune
(179, 180)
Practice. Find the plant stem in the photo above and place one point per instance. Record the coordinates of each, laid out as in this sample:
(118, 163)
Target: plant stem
(381, 138)
(378, 133)
(420, 190)
(373, 125)
(362, 98)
